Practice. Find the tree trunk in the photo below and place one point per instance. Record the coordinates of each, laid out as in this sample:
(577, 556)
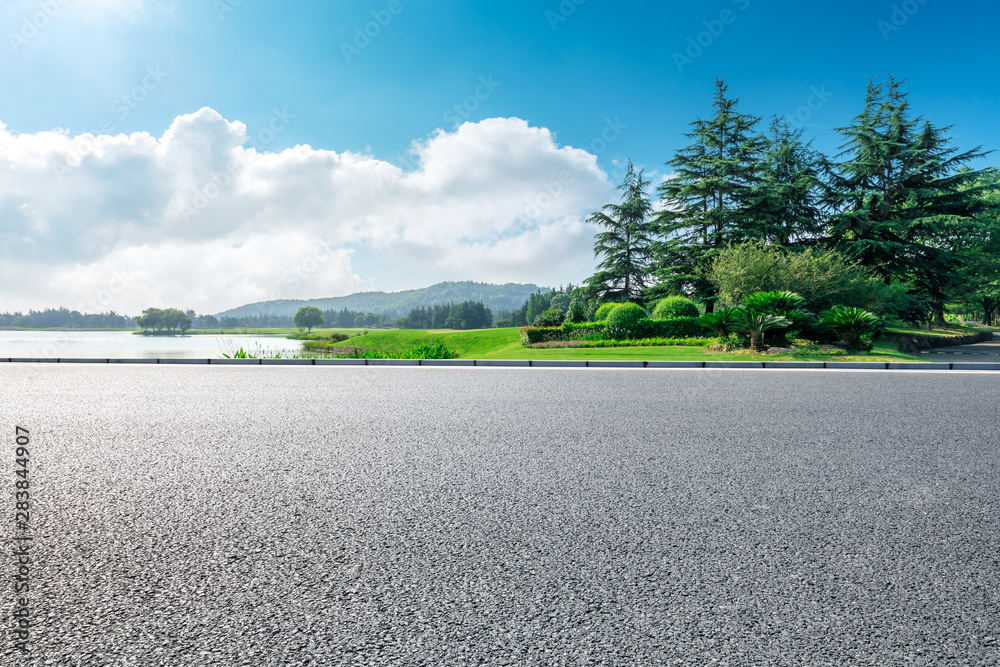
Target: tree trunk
(938, 310)
(757, 341)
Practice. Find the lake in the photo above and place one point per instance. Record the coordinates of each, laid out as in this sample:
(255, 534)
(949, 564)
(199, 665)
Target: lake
(125, 345)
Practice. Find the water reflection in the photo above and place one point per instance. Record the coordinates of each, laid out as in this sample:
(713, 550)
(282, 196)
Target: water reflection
(126, 345)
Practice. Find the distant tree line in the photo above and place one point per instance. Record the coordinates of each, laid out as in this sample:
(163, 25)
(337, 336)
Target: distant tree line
(348, 319)
(573, 303)
(64, 318)
(464, 315)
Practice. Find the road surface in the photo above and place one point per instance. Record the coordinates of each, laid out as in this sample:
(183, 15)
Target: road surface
(422, 516)
(988, 352)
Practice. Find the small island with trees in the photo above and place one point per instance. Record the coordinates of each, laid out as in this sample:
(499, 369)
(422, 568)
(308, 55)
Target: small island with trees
(164, 322)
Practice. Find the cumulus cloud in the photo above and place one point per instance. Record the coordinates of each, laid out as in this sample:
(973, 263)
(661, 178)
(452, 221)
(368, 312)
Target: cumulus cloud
(200, 218)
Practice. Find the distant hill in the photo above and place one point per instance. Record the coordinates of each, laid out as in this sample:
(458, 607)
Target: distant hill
(498, 297)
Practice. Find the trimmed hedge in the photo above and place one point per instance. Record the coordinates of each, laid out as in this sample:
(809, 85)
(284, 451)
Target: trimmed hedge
(678, 327)
(532, 335)
(603, 311)
(675, 306)
(626, 317)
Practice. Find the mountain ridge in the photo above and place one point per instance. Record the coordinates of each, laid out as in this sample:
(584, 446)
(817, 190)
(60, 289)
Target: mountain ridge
(508, 296)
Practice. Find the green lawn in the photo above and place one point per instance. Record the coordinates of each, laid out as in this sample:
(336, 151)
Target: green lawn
(506, 344)
(936, 332)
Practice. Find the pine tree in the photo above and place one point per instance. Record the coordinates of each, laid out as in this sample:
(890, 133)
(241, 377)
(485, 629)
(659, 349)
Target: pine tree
(711, 199)
(786, 201)
(902, 201)
(625, 244)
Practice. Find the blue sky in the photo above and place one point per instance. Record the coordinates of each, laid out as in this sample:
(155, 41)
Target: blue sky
(503, 99)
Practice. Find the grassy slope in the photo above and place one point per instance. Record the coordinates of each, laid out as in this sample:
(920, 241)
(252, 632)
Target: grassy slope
(936, 332)
(505, 344)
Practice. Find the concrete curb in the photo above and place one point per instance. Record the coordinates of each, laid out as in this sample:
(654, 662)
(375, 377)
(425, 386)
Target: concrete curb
(523, 363)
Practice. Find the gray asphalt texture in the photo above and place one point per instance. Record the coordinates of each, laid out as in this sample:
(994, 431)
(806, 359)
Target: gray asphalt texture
(421, 516)
(988, 353)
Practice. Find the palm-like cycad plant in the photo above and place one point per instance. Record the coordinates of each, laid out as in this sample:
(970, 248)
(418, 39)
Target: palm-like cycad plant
(783, 303)
(771, 302)
(852, 324)
(757, 324)
(721, 320)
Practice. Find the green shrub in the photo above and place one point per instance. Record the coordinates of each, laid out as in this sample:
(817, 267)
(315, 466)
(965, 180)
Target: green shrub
(435, 350)
(532, 335)
(623, 320)
(782, 304)
(823, 277)
(550, 318)
(730, 342)
(858, 328)
(675, 306)
(602, 312)
(577, 311)
(774, 302)
(756, 324)
(720, 322)
(677, 327)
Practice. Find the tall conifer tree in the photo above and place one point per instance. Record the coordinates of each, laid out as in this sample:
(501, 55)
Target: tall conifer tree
(903, 204)
(786, 201)
(709, 201)
(625, 244)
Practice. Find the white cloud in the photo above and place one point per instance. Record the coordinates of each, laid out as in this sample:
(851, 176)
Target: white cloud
(196, 219)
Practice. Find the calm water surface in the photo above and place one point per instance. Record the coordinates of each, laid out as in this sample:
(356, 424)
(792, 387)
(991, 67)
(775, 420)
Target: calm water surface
(125, 345)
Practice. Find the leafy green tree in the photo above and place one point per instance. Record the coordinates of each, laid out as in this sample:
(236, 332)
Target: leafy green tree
(308, 317)
(625, 245)
(903, 204)
(824, 278)
(176, 320)
(560, 301)
(151, 318)
(982, 270)
(577, 310)
(712, 199)
(167, 319)
(536, 305)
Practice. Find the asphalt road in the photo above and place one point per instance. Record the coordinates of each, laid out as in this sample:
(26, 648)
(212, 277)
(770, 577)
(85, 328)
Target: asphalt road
(421, 516)
(988, 352)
